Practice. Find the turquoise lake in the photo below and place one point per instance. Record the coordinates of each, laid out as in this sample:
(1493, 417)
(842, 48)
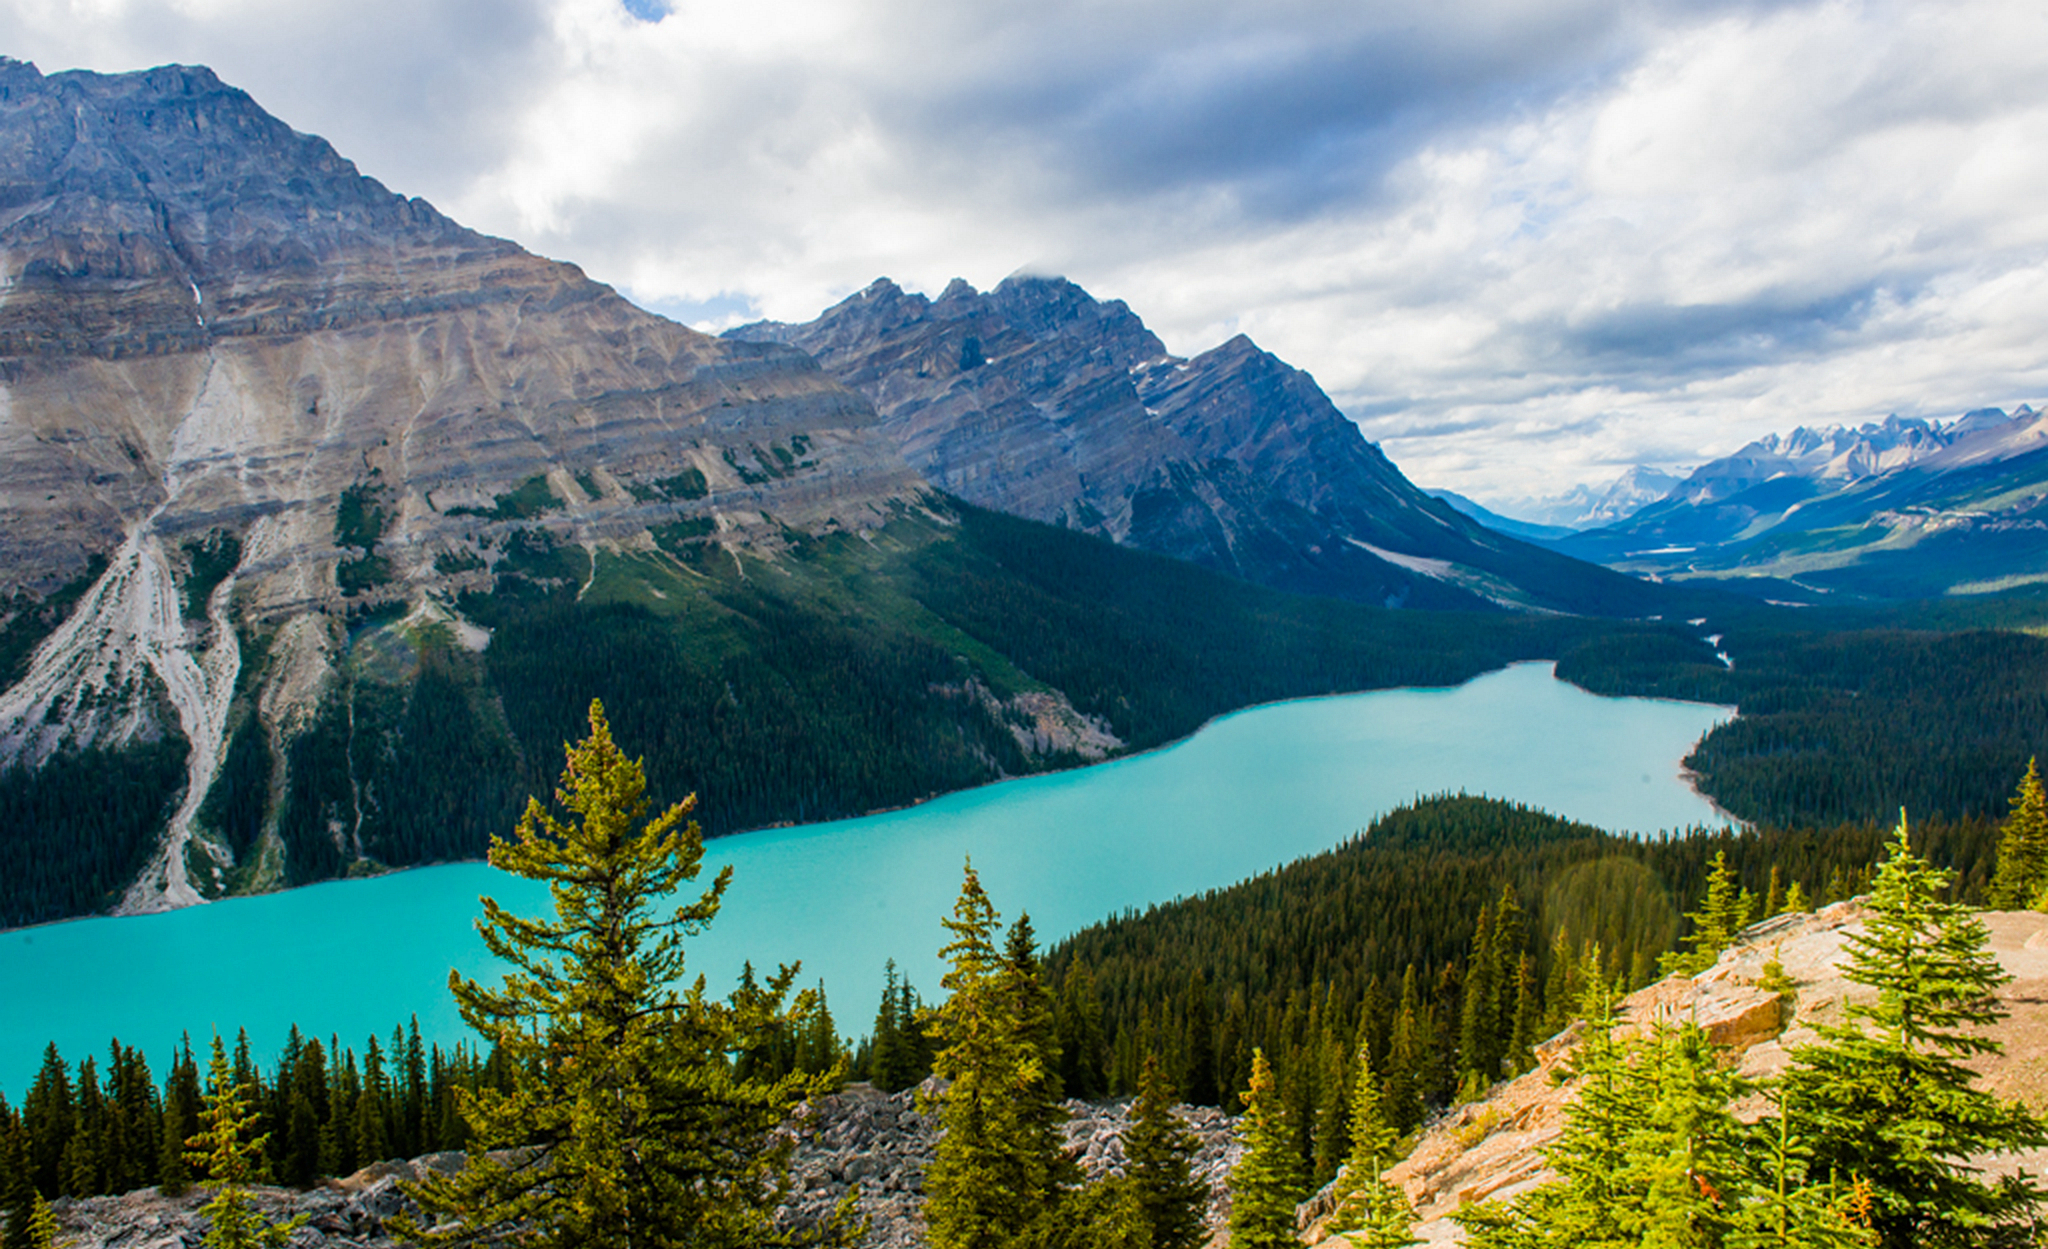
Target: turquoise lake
(1249, 792)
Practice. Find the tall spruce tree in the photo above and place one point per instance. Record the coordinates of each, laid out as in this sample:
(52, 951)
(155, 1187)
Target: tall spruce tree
(2022, 871)
(1884, 1097)
(17, 1194)
(1159, 1153)
(1650, 1154)
(1266, 1184)
(231, 1154)
(1722, 914)
(1371, 1211)
(998, 1165)
(637, 1131)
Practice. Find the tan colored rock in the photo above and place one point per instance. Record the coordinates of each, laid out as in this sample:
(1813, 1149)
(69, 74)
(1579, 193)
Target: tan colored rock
(1492, 1149)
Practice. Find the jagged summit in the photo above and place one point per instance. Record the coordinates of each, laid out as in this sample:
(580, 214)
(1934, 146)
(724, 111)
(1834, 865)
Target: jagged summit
(1037, 399)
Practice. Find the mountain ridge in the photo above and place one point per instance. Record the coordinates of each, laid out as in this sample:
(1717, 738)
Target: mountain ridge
(1037, 399)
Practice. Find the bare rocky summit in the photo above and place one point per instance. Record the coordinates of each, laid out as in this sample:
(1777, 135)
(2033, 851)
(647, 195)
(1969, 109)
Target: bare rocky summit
(1037, 399)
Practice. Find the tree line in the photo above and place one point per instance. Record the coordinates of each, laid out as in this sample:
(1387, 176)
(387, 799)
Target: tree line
(1437, 947)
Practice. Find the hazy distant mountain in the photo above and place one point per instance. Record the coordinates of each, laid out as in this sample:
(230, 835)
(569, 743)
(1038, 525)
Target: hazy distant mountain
(1901, 508)
(1591, 506)
(1522, 529)
(1038, 400)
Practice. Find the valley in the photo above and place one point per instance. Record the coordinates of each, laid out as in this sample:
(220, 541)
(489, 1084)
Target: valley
(326, 521)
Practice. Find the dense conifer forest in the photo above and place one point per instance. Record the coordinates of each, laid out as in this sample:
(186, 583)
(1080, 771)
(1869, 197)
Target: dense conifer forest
(846, 677)
(1443, 942)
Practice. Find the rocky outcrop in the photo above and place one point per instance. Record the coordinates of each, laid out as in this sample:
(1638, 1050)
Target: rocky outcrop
(1492, 1149)
(1036, 399)
(859, 1138)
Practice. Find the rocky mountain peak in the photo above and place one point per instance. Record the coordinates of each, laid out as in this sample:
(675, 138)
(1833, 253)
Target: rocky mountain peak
(1040, 400)
(246, 390)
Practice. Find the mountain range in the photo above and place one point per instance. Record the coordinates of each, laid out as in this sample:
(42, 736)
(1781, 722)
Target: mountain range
(1041, 401)
(1900, 509)
(323, 518)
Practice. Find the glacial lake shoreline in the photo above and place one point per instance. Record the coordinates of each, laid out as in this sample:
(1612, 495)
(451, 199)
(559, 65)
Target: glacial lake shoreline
(1249, 791)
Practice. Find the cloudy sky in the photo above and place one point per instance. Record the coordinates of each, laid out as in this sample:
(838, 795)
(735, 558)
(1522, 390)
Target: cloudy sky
(1524, 243)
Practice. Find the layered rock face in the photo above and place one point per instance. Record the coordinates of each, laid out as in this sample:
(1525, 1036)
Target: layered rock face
(1036, 399)
(271, 394)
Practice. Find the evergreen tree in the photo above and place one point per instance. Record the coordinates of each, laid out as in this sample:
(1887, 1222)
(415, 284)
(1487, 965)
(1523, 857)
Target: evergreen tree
(85, 1154)
(1265, 1184)
(1884, 1097)
(1650, 1154)
(48, 1113)
(17, 1194)
(1371, 1211)
(231, 1158)
(1527, 1028)
(1722, 914)
(1405, 1061)
(373, 1141)
(182, 1103)
(1081, 1044)
(1333, 1110)
(1200, 1077)
(1159, 1153)
(1479, 1020)
(998, 1164)
(1795, 900)
(42, 1224)
(1792, 1207)
(2022, 847)
(639, 1133)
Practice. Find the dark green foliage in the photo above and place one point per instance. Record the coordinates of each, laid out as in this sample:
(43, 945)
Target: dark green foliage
(419, 773)
(354, 576)
(2022, 872)
(688, 484)
(538, 562)
(1650, 663)
(673, 538)
(998, 1165)
(529, 500)
(898, 1054)
(364, 515)
(1884, 1096)
(240, 796)
(1159, 1153)
(634, 1125)
(29, 620)
(1649, 1154)
(76, 831)
(1158, 646)
(1961, 715)
(1725, 911)
(211, 559)
(1266, 1183)
(17, 1195)
(455, 562)
(1370, 946)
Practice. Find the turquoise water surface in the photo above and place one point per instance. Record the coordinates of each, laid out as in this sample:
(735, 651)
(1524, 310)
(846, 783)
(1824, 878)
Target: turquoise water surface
(1248, 792)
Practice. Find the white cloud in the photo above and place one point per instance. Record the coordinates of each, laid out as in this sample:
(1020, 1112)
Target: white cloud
(1524, 242)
